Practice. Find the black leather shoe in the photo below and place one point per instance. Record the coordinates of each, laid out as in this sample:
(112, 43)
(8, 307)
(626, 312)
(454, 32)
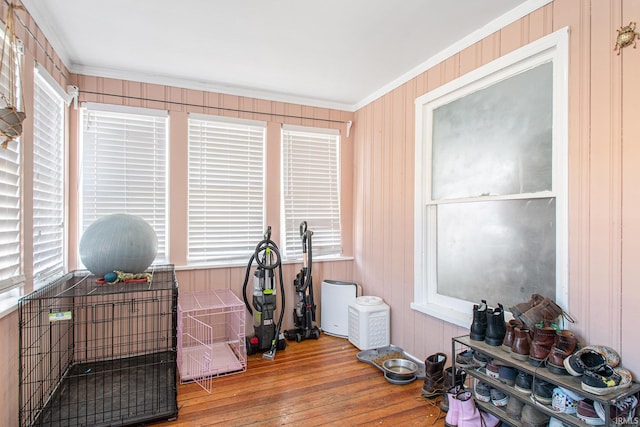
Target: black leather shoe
(496, 327)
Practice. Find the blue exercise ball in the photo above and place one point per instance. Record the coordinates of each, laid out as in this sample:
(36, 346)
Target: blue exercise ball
(118, 242)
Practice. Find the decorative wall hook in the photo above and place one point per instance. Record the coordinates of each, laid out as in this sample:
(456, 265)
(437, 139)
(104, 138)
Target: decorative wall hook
(626, 37)
(72, 93)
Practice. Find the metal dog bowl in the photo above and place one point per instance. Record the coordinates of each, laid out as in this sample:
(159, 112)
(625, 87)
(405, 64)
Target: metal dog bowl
(400, 369)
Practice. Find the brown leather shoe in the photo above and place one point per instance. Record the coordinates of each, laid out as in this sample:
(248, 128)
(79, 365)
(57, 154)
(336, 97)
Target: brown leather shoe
(521, 343)
(543, 339)
(546, 311)
(508, 337)
(519, 309)
(564, 347)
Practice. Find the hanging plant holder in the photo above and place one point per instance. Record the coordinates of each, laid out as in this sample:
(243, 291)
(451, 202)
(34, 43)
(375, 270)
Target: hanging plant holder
(11, 116)
(11, 123)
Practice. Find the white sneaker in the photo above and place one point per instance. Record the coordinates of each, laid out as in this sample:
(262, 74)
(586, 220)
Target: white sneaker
(565, 400)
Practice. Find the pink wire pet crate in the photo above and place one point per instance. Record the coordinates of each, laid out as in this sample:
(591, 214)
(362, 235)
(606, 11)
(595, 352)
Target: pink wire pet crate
(211, 336)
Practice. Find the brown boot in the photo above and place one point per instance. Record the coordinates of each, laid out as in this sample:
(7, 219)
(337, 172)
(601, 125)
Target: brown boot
(434, 381)
(450, 380)
(563, 348)
(521, 343)
(546, 311)
(543, 339)
(519, 309)
(508, 337)
(452, 384)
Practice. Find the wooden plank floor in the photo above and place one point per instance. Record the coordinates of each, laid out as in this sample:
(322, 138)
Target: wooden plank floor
(311, 383)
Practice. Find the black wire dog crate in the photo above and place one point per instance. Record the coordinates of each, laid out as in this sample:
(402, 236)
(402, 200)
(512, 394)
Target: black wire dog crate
(95, 354)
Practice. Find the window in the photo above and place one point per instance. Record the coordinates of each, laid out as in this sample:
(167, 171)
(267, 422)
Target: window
(124, 166)
(491, 185)
(48, 179)
(311, 189)
(226, 188)
(10, 211)
(11, 278)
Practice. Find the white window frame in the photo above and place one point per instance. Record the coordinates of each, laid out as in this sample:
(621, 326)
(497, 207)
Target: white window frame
(553, 47)
(217, 233)
(50, 178)
(296, 191)
(163, 203)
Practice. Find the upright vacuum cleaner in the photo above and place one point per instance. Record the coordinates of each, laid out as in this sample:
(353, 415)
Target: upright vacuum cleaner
(304, 313)
(267, 332)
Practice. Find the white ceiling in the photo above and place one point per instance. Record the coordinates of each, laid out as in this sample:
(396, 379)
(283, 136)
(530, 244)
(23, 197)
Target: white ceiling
(329, 53)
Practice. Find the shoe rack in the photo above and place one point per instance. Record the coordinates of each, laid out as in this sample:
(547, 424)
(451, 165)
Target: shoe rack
(463, 343)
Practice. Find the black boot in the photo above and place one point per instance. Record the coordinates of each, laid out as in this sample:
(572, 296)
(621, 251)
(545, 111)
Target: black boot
(479, 324)
(496, 327)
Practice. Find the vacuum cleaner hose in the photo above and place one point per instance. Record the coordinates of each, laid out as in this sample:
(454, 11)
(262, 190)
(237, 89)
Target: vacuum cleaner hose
(244, 287)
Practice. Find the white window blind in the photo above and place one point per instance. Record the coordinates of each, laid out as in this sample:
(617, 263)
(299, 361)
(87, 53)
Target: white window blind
(124, 166)
(311, 189)
(226, 188)
(10, 211)
(10, 190)
(48, 182)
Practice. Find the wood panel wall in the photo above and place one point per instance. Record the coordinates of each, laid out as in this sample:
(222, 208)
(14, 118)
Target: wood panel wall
(179, 102)
(603, 198)
(36, 49)
(604, 100)
(233, 278)
(630, 197)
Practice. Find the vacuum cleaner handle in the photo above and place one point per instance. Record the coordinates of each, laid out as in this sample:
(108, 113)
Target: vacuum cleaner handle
(305, 236)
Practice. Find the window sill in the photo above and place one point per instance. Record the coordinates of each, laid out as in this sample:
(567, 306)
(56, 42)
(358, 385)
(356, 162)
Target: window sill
(447, 314)
(9, 310)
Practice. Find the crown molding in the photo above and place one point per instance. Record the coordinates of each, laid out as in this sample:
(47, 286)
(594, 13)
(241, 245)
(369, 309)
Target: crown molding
(207, 86)
(502, 21)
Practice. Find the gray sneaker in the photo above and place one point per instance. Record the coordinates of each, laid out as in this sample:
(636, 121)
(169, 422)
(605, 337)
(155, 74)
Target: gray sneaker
(498, 398)
(482, 391)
